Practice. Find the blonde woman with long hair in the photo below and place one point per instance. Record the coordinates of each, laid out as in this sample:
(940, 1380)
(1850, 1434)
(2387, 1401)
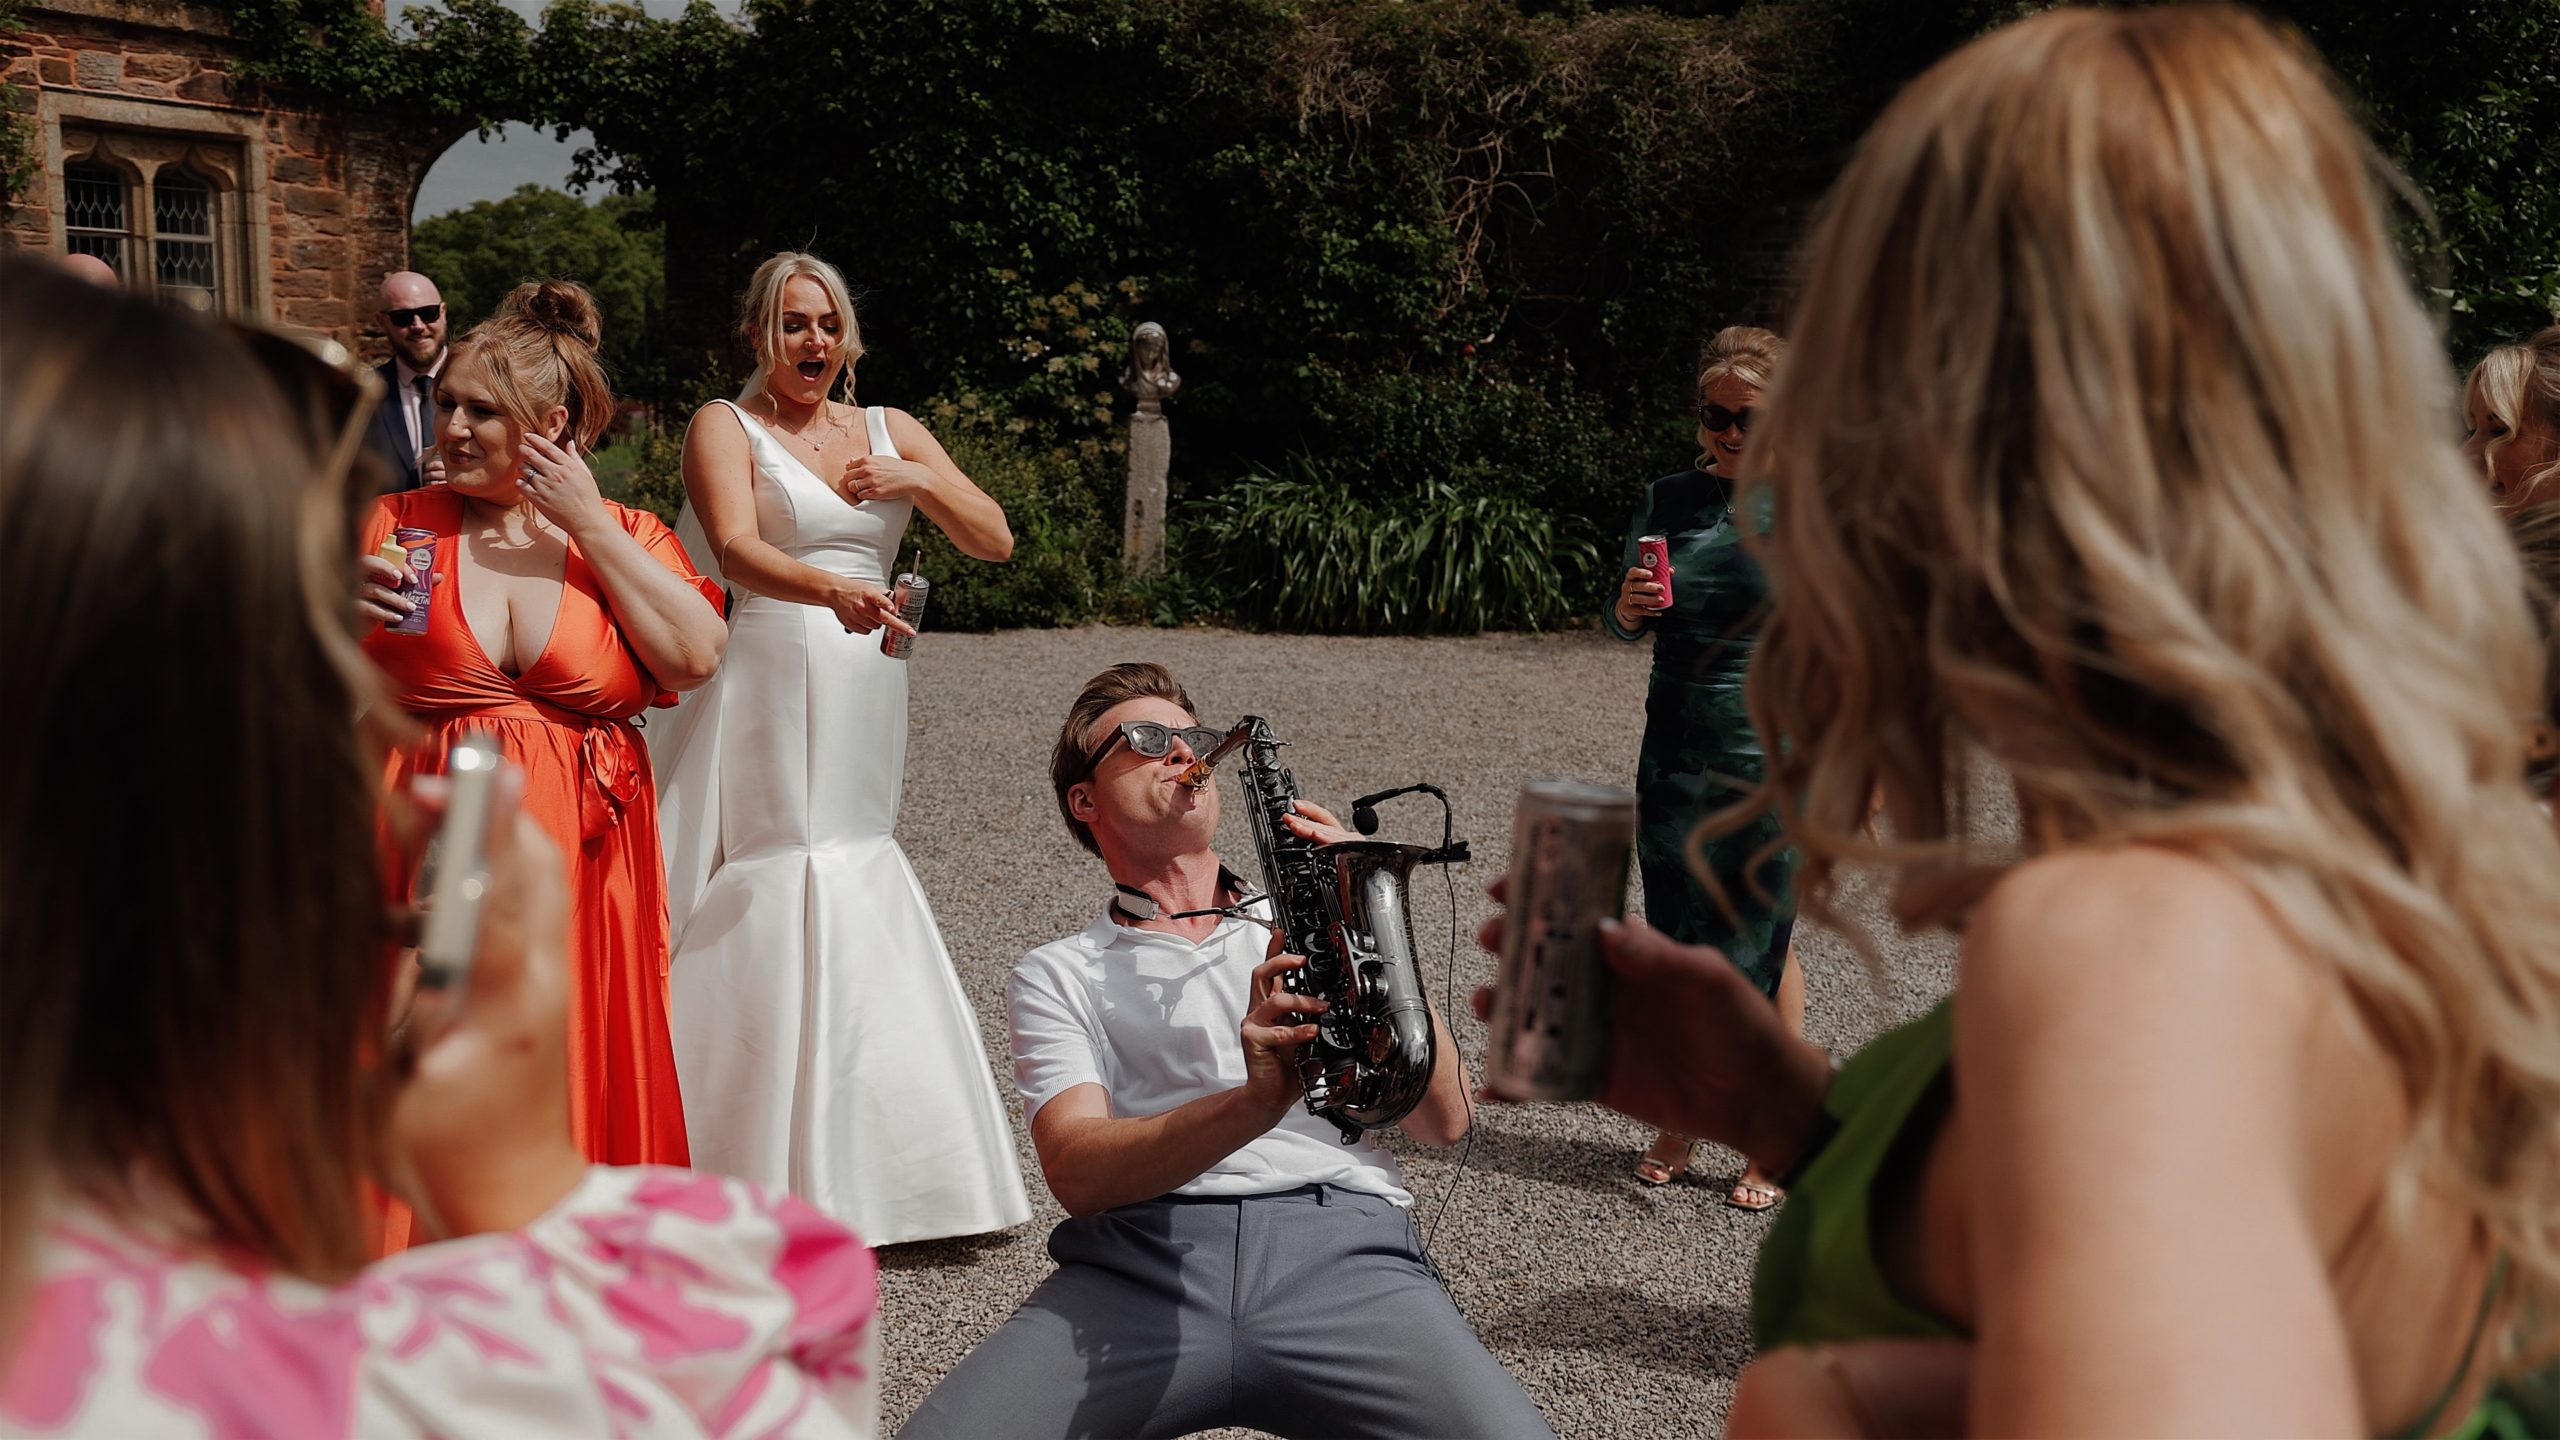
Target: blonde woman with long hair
(2511, 416)
(825, 1043)
(2104, 454)
(1699, 752)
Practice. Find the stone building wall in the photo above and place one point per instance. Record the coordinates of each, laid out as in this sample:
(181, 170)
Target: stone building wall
(291, 206)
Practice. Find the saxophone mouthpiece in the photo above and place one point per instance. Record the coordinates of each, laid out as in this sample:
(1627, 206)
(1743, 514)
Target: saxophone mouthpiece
(1197, 777)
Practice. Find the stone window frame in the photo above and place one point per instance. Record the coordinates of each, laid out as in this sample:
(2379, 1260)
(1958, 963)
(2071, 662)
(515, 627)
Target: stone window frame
(139, 138)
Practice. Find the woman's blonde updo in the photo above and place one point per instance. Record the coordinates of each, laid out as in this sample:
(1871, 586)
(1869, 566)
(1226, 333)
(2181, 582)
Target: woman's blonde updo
(540, 349)
(1742, 352)
(2113, 448)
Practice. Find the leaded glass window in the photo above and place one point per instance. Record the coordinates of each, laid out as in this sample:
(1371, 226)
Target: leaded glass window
(96, 216)
(182, 237)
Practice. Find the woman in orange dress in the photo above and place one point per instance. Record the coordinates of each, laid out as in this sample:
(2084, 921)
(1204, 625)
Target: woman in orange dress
(553, 618)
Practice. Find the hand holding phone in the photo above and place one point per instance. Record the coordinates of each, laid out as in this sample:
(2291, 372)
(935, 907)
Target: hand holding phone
(479, 1136)
(454, 880)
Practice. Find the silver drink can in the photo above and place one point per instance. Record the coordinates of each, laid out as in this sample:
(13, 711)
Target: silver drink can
(911, 592)
(1550, 1027)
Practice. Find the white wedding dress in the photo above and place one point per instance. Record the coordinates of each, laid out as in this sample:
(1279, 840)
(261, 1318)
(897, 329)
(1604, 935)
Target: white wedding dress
(822, 1038)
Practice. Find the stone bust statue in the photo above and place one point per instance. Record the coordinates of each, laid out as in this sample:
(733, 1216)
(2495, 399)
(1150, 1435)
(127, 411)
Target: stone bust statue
(1150, 376)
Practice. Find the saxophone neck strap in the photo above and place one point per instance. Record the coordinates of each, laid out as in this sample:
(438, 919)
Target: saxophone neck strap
(1135, 904)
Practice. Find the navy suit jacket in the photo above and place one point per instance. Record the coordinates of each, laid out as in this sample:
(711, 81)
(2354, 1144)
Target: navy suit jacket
(388, 435)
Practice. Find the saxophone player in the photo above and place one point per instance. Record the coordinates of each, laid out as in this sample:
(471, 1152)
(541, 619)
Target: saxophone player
(1226, 1260)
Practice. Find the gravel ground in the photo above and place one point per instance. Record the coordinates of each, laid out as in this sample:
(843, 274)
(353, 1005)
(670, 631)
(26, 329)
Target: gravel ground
(1622, 1309)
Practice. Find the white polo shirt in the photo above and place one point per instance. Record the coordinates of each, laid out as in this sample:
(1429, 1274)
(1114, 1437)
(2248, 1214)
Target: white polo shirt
(1152, 1019)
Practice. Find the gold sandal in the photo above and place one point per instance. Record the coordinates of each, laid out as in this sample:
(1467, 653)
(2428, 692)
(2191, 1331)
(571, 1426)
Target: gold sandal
(1754, 1195)
(1653, 1171)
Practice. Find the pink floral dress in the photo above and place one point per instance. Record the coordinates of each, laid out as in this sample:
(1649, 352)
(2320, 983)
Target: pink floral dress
(650, 1302)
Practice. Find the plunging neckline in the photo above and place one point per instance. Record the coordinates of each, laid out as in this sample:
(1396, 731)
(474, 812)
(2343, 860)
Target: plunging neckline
(567, 554)
(793, 456)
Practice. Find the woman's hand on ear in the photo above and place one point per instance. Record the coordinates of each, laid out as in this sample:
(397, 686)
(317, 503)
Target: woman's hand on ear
(557, 481)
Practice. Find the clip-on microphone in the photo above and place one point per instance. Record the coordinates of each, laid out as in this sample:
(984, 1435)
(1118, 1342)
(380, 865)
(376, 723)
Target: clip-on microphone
(1364, 818)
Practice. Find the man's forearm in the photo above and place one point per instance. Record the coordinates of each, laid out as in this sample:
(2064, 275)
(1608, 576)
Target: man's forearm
(1094, 1162)
(1445, 1112)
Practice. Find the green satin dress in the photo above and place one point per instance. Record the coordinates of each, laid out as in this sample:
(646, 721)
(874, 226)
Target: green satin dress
(1698, 740)
(1819, 1281)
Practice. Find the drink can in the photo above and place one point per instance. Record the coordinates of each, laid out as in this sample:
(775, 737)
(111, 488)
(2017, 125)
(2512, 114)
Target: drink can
(1550, 1028)
(1653, 552)
(911, 593)
(415, 549)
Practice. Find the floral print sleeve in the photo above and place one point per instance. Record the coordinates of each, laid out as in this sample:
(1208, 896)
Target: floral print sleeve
(650, 1302)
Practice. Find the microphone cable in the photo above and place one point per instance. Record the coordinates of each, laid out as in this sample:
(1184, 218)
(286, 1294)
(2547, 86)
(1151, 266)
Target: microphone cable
(1466, 1147)
(1364, 818)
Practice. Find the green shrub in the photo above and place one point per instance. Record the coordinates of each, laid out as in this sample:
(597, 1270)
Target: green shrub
(1476, 433)
(1304, 550)
(1050, 499)
(645, 469)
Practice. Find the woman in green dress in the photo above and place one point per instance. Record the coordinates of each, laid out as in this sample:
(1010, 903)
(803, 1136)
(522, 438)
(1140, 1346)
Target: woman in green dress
(2116, 470)
(1699, 753)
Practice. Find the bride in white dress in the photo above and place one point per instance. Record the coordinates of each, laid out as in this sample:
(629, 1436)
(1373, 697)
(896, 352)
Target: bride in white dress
(822, 1038)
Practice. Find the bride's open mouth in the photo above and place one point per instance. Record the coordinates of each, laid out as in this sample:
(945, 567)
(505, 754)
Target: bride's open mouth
(812, 370)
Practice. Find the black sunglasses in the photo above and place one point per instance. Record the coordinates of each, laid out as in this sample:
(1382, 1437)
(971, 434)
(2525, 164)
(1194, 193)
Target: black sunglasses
(1155, 741)
(414, 315)
(1716, 418)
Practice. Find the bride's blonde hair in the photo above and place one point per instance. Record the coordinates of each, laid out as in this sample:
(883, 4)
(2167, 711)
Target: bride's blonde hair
(760, 313)
(2113, 446)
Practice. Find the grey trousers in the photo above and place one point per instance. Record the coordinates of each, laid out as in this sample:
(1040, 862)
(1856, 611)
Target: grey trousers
(1307, 1314)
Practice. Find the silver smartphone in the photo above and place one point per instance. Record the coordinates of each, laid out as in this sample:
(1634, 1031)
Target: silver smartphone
(455, 876)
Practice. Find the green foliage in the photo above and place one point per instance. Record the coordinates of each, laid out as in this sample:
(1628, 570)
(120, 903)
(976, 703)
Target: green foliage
(466, 61)
(614, 247)
(1049, 498)
(646, 470)
(18, 159)
(1448, 252)
(2466, 100)
(1471, 431)
(1304, 550)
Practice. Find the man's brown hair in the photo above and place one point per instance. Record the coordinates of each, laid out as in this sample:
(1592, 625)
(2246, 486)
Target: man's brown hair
(1072, 760)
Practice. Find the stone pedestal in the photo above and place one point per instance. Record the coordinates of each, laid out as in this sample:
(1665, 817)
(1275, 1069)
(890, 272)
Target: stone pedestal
(1150, 461)
(1151, 380)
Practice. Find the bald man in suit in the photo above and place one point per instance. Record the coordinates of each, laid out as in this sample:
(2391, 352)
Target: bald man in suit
(404, 429)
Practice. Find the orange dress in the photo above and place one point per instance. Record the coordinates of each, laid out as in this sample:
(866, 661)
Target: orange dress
(570, 721)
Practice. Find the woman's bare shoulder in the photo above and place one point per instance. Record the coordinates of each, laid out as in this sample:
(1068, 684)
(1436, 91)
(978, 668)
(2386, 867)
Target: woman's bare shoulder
(2129, 931)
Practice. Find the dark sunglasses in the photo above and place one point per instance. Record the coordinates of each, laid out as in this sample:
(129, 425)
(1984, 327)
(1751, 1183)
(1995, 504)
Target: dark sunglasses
(1716, 419)
(414, 315)
(1155, 741)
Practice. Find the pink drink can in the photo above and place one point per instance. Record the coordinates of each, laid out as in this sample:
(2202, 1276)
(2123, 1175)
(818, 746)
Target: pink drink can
(418, 553)
(1653, 552)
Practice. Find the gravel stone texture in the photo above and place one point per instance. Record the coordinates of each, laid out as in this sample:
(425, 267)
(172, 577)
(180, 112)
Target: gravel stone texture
(1622, 1308)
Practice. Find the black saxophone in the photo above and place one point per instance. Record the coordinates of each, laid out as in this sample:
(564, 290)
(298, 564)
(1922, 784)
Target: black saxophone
(1342, 906)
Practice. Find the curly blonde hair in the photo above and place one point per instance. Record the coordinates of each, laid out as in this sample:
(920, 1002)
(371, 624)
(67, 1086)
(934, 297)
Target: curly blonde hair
(2107, 451)
(2519, 386)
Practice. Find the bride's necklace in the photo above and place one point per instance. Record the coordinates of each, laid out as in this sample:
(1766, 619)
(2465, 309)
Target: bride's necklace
(814, 432)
